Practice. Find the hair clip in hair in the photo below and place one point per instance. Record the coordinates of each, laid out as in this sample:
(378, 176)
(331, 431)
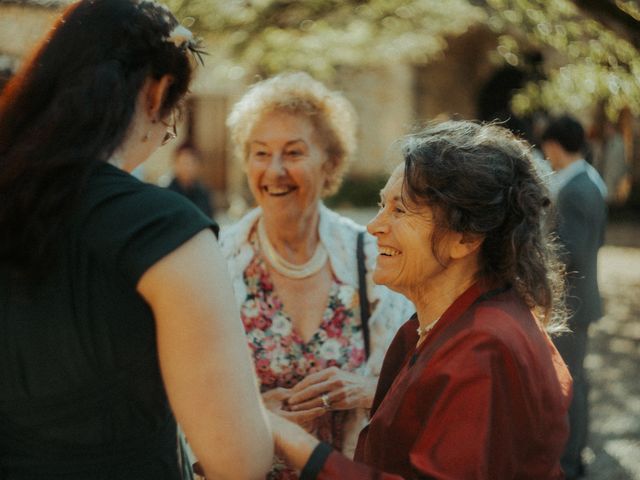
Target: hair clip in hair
(180, 36)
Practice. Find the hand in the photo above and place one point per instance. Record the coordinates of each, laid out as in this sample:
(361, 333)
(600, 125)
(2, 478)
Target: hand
(291, 442)
(344, 391)
(276, 401)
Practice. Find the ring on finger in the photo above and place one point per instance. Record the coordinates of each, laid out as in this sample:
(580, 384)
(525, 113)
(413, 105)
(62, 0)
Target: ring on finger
(326, 403)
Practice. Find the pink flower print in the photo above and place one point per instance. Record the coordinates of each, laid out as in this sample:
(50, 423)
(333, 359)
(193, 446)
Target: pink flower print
(247, 322)
(250, 308)
(301, 369)
(280, 325)
(262, 365)
(288, 380)
(280, 363)
(339, 316)
(268, 308)
(265, 280)
(313, 363)
(256, 336)
(260, 322)
(320, 336)
(356, 357)
(267, 379)
(269, 343)
(331, 349)
(333, 331)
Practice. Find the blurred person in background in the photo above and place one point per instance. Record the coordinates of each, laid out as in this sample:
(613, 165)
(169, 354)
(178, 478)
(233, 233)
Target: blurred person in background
(472, 386)
(582, 218)
(610, 160)
(187, 166)
(114, 297)
(316, 324)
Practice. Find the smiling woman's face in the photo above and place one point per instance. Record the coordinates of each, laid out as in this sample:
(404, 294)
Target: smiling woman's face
(285, 165)
(406, 262)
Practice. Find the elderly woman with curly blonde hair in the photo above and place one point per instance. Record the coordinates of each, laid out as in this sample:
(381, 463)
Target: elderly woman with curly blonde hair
(294, 262)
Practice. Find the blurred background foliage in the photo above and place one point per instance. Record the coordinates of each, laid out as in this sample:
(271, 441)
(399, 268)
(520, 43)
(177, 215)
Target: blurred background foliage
(591, 46)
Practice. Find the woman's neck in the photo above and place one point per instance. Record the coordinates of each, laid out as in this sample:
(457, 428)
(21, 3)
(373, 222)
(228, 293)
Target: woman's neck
(294, 240)
(440, 293)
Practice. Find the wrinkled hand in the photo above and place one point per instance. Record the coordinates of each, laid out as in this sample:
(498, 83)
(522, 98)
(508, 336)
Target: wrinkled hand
(344, 390)
(276, 401)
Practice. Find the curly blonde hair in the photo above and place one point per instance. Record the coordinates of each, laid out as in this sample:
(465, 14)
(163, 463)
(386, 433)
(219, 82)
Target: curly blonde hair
(331, 114)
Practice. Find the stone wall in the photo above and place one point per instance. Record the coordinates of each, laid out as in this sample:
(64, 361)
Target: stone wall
(22, 27)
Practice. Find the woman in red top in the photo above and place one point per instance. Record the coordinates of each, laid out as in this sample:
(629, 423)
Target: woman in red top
(471, 387)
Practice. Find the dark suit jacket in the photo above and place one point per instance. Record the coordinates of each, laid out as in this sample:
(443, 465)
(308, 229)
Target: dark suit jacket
(197, 193)
(582, 217)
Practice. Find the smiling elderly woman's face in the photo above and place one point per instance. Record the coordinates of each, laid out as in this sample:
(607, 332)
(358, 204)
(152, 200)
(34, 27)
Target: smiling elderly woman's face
(406, 262)
(285, 165)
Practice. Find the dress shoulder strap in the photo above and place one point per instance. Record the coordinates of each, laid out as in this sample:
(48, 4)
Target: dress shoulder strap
(362, 290)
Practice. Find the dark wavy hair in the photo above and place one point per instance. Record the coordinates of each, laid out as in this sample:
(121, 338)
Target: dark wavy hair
(568, 132)
(479, 179)
(70, 107)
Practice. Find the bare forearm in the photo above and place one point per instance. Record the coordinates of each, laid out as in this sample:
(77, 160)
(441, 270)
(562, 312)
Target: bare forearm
(205, 363)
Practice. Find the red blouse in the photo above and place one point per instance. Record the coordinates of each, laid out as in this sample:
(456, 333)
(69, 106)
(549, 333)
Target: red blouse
(485, 396)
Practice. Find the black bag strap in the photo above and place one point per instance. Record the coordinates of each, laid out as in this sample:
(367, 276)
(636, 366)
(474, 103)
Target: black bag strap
(362, 288)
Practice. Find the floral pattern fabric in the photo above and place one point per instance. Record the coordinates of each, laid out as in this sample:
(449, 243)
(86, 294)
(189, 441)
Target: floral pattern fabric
(282, 357)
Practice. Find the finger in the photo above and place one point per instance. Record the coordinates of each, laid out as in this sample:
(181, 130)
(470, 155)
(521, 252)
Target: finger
(312, 379)
(277, 394)
(314, 403)
(312, 392)
(340, 399)
(305, 416)
(334, 400)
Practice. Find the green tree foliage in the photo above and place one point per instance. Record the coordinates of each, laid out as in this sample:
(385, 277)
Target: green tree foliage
(588, 62)
(320, 35)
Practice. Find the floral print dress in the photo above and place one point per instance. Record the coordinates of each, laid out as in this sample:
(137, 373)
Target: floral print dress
(282, 358)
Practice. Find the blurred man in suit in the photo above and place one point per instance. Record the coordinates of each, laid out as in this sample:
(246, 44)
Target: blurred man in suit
(582, 218)
(187, 164)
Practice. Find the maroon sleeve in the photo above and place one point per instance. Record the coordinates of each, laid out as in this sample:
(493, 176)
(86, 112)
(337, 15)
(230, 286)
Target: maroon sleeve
(469, 429)
(337, 466)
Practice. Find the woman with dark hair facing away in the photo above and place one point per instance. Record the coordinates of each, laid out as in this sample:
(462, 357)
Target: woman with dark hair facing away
(471, 387)
(114, 311)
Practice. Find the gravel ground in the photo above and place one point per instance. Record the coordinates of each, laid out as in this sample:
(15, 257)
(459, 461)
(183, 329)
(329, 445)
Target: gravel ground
(613, 363)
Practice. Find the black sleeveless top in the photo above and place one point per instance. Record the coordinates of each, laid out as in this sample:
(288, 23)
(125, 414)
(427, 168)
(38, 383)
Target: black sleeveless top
(81, 396)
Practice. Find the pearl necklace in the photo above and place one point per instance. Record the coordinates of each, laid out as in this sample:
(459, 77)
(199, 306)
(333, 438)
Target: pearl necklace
(286, 268)
(423, 330)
